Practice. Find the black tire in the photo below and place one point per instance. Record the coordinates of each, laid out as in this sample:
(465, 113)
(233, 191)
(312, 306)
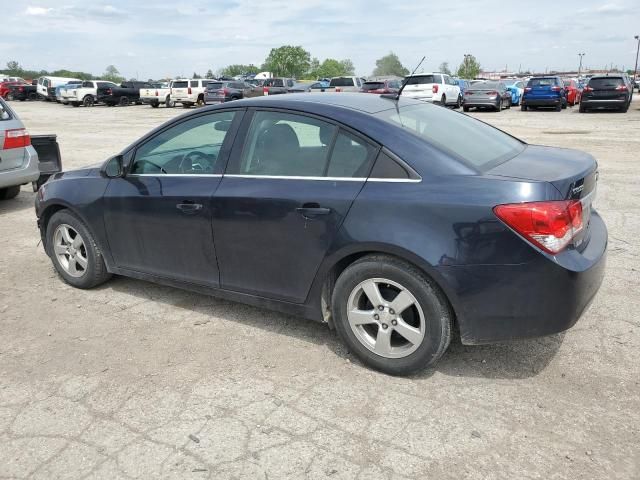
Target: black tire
(96, 270)
(186, 105)
(124, 101)
(509, 103)
(559, 107)
(498, 107)
(200, 102)
(155, 104)
(582, 109)
(33, 96)
(438, 317)
(523, 107)
(443, 100)
(7, 193)
(10, 97)
(466, 109)
(87, 101)
(168, 103)
(75, 104)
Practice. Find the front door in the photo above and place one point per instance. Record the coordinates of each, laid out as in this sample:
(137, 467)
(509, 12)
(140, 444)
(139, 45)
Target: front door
(158, 217)
(290, 183)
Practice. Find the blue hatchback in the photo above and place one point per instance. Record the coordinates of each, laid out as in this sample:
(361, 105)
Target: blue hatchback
(394, 221)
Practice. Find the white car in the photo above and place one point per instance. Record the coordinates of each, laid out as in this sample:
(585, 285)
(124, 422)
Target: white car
(47, 86)
(158, 95)
(345, 84)
(87, 93)
(189, 92)
(433, 87)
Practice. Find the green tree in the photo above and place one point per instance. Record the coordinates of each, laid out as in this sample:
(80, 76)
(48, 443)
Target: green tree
(14, 69)
(195, 75)
(209, 74)
(469, 68)
(238, 69)
(390, 65)
(444, 68)
(314, 67)
(112, 74)
(288, 60)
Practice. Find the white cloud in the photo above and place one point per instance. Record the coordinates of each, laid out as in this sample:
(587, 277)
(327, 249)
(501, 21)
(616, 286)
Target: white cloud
(38, 11)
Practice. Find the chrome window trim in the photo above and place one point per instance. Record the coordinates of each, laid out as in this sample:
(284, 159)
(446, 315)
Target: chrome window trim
(395, 180)
(162, 175)
(293, 177)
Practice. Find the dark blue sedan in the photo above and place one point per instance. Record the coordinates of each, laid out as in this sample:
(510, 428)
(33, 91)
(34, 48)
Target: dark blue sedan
(394, 221)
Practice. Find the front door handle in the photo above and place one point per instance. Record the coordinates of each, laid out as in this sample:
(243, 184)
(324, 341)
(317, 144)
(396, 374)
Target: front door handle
(312, 210)
(189, 207)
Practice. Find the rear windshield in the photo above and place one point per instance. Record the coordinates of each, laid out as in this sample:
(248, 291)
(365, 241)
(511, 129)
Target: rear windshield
(106, 85)
(373, 85)
(473, 142)
(342, 82)
(180, 84)
(214, 85)
(421, 79)
(542, 82)
(606, 83)
(485, 86)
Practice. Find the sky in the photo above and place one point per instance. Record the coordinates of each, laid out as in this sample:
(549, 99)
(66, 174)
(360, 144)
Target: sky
(157, 39)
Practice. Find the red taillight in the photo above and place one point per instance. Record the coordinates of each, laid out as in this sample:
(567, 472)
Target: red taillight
(338, 89)
(468, 93)
(548, 225)
(435, 89)
(223, 91)
(21, 89)
(556, 89)
(528, 89)
(16, 138)
(109, 91)
(621, 88)
(189, 91)
(265, 90)
(588, 89)
(157, 94)
(492, 94)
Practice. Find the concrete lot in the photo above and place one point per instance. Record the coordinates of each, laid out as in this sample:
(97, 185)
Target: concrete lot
(134, 380)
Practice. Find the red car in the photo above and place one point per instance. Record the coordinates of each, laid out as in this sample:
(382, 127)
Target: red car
(4, 88)
(383, 86)
(573, 92)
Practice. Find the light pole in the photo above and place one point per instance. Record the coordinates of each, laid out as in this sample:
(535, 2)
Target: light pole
(580, 67)
(635, 71)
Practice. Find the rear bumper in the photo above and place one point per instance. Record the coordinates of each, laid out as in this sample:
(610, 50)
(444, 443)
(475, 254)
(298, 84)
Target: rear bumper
(27, 173)
(215, 99)
(609, 103)
(480, 102)
(504, 302)
(542, 102)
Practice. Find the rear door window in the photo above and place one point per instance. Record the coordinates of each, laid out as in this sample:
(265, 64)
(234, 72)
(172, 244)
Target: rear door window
(193, 83)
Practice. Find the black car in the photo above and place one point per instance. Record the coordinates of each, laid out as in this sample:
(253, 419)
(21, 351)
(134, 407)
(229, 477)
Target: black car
(395, 221)
(23, 92)
(124, 94)
(607, 92)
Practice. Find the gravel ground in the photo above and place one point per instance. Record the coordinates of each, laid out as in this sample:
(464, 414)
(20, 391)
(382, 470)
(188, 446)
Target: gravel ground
(134, 380)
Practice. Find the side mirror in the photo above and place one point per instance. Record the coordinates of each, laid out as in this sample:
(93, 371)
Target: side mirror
(114, 167)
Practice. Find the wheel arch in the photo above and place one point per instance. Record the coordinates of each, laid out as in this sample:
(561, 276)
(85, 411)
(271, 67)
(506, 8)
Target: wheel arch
(338, 262)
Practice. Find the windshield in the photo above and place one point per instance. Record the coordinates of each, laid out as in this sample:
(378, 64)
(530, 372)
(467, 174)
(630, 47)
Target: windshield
(373, 86)
(469, 140)
(421, 79)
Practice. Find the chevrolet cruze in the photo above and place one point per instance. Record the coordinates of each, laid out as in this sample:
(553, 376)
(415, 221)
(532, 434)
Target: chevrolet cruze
(395, 221)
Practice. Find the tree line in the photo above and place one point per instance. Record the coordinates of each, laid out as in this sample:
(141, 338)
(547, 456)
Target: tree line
(285, 61)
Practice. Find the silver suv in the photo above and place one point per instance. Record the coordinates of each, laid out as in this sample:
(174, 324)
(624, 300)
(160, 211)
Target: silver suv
(18, 159)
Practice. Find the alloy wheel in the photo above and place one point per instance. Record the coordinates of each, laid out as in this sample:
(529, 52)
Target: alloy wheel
(70, 250)
(386, 318)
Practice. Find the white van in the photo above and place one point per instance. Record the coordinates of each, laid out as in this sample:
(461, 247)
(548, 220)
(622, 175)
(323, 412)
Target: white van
(47, 86)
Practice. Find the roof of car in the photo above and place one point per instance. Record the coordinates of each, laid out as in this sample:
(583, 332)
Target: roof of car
(352, 101)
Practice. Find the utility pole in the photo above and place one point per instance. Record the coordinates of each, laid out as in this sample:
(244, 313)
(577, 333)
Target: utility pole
(635, 70)
(580, 67)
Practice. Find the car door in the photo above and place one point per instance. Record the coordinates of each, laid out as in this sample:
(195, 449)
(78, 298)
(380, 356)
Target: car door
(158, 216)
(290, 183)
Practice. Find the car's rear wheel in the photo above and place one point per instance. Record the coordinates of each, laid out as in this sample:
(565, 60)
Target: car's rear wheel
(443, 100)
(124, 101)
(8, 193)
(391, 315)
(509, 103)
(10, 97)
(169, 103)
(466, 109)
(499, 106)
(582, 109)
(186, 105)
(155, 104)
(87, 101)
(74, 252)
(200, 102)
(523, 107)
(559, 107)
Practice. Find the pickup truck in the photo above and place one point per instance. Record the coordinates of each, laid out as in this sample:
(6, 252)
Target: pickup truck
(23, 92)
(125, 94)
(87, 93)
(60, 89)
(159, 93)
(277, 86)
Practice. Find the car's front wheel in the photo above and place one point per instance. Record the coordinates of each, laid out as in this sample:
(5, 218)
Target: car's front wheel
(8, 193)
(391, 315)
(74, 252)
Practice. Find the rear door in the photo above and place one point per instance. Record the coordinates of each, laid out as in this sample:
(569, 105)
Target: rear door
(542, 88)
(420, 86)
(179, 90)
(608, 88)
(158, 217)
(290, 183)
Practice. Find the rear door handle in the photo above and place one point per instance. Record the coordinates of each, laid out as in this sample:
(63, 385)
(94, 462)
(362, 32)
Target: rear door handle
(189, 207)
(311, 210)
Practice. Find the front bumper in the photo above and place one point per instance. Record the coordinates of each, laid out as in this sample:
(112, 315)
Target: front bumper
(27, 173)
(495, 303)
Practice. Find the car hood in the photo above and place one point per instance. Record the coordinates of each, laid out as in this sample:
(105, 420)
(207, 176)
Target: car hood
(90, 171)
